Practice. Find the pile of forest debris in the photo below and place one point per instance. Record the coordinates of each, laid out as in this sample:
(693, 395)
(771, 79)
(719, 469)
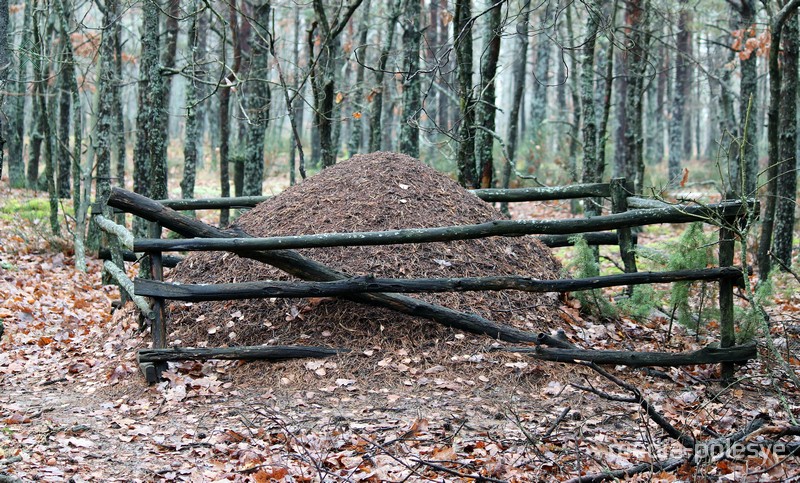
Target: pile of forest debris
(379, 191)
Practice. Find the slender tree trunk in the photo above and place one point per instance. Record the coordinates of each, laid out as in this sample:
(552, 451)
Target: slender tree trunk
(575, 125)
(258, 101)
(744, 178)
(412, 105)
(193, 121)
(5, 67)
(462, 32)
(541, 79)
(16, 121)
(637, 56)
(376, 113)
(680, 94)
(516, 102)
(224, 139)
(118, 136)
(296, 110)
(773, 138)
(355, 144)
(787, 170)
(590, 171)
(486, 109)
(323, 74)
(42, 112)
(608, 84)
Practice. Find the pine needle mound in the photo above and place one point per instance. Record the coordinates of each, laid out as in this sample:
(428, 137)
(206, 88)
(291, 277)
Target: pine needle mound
(377, 191)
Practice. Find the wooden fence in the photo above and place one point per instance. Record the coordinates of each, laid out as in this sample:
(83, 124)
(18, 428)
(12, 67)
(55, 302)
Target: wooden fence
(627, 213)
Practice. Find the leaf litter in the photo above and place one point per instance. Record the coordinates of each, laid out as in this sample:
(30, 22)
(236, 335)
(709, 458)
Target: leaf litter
(73, 406)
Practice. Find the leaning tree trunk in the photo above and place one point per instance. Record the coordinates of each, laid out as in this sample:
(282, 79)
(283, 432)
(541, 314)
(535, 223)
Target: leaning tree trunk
(409, 130)
(680, 93)
(258, 101)
(485, 115)
(462, 40)
(787, 169)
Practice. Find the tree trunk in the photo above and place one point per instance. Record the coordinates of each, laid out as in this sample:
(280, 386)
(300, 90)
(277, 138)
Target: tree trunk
(412, 105)
(118, 136)
(5, 67)
(680, 94)
(224, 139)
(787, 170)
(745, 176)
(637, 56)
(773, 138)
(462, 40)
(192, 121)
(516, 102)
(323, 74)
(257, 101)
(376, 113)
(356, 142)
(591, 173)
(16, 121)
(42, 113)
(602, 126)
(541, 79)
(486, 109)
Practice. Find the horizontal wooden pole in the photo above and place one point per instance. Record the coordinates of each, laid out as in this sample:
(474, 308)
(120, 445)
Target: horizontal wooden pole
(545, 193)
(706, 355)
(168, 261)
(357, 285)
(214, 203)
(302, 267)
(678, 214)
(592, 238)
(247, 353)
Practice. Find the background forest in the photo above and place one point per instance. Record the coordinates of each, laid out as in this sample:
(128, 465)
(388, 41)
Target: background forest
(138, 93)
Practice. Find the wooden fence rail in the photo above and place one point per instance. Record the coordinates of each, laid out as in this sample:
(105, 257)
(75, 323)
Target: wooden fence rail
(321, 280)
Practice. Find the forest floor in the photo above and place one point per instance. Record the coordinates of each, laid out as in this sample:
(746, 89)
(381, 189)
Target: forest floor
(73, 406)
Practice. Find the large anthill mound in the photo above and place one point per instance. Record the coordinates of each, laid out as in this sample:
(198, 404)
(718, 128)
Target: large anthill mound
(378, 191)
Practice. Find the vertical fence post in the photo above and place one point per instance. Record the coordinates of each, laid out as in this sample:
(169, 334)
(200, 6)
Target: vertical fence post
(159, 325)
(620, 190)
(726, 320)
